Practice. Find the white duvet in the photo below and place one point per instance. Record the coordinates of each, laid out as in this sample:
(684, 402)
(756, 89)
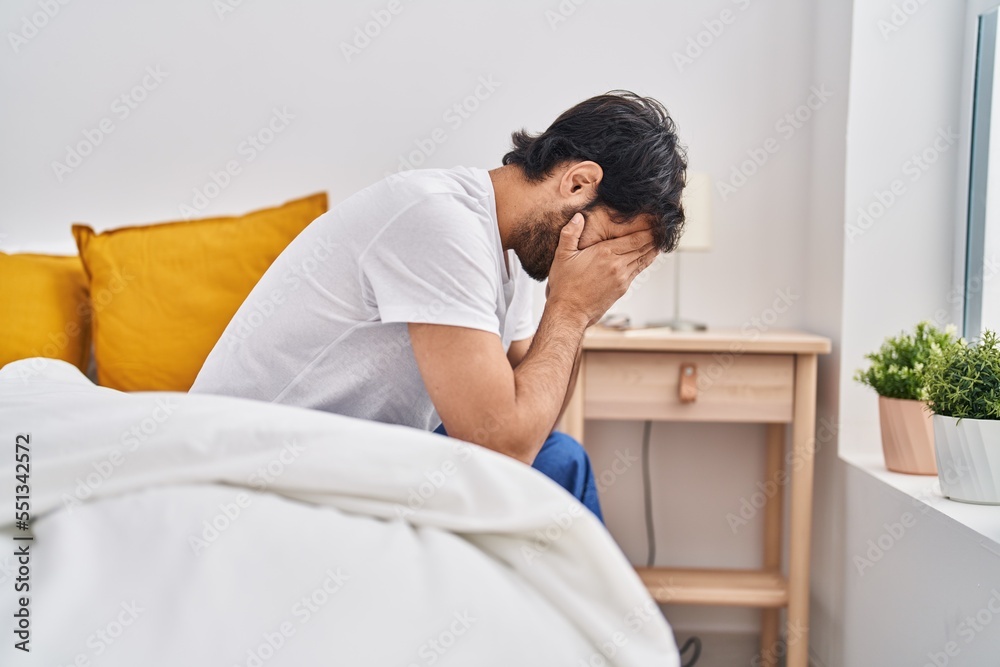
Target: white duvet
(175, 529)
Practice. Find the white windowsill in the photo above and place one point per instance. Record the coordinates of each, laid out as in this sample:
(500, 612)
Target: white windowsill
(980, 522)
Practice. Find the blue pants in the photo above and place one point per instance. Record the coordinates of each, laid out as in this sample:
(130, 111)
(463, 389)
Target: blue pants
(563, 460)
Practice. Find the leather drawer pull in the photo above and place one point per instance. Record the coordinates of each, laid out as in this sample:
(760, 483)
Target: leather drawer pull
(687, 388)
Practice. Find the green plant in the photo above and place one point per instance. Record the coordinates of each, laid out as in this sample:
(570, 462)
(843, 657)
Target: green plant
(899, 368)
(965, 383)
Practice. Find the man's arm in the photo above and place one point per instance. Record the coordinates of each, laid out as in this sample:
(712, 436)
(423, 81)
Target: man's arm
(519, 349)
(480, 397)
(574, 375)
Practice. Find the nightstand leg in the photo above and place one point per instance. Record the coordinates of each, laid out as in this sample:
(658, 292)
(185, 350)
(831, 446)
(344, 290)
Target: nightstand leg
(773, 481)
(800, 509)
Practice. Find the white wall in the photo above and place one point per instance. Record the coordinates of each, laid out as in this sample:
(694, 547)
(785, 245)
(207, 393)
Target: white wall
(905, 91)
(913, 604)
(905, 86)
(353, 121)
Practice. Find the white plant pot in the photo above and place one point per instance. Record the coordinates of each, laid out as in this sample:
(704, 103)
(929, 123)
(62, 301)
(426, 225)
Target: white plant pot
(968, 459)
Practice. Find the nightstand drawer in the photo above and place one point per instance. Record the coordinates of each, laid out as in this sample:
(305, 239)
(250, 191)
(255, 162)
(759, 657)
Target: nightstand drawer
(730, 387)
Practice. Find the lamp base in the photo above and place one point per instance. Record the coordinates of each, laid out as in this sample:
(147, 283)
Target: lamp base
(678, 325)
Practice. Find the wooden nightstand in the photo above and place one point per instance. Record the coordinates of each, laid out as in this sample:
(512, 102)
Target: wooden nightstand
(765, 378)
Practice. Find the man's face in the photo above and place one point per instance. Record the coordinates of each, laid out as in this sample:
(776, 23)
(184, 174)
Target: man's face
(536, 239)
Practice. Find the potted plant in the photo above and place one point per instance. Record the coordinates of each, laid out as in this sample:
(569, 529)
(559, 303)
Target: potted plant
(898, 373)
(964, 393)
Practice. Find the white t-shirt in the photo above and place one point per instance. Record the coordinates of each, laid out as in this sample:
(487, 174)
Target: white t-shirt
(325, 327)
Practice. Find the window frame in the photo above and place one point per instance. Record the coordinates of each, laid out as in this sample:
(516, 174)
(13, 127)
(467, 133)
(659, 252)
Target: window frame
(981, 51)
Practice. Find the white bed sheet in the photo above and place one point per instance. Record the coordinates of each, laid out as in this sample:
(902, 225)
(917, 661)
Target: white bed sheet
(176, 529)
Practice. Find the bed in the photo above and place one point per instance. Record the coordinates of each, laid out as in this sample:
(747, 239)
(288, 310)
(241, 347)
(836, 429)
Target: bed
(177, 529)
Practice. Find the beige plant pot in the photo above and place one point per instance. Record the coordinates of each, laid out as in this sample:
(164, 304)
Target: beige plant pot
(907, 436)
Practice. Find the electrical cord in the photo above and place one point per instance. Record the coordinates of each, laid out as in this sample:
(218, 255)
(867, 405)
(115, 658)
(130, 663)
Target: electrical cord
(691, 642)
(647, 493)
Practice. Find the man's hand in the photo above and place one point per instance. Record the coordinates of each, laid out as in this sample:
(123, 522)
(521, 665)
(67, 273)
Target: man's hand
(586, 283)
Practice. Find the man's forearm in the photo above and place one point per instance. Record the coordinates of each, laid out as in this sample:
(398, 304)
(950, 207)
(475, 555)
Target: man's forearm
(574, 375)
(542, 380)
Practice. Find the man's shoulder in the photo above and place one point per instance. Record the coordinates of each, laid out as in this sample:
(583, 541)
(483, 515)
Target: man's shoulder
(459, 186)
(438, 203)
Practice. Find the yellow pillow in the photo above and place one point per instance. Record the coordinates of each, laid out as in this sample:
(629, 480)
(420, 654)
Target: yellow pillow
(43, 309)
(162, 294)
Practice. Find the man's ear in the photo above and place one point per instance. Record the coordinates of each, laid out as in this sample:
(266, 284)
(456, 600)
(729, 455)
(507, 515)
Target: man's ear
(578, 185)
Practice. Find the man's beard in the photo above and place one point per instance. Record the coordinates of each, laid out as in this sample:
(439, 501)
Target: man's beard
(535, 242)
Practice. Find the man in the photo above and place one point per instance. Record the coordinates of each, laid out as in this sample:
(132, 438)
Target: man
(419, 312)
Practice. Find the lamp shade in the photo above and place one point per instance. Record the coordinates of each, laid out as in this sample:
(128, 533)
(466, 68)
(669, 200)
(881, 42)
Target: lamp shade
(697, 202)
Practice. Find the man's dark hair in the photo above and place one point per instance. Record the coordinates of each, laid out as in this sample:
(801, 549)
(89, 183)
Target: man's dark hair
(634, 141)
